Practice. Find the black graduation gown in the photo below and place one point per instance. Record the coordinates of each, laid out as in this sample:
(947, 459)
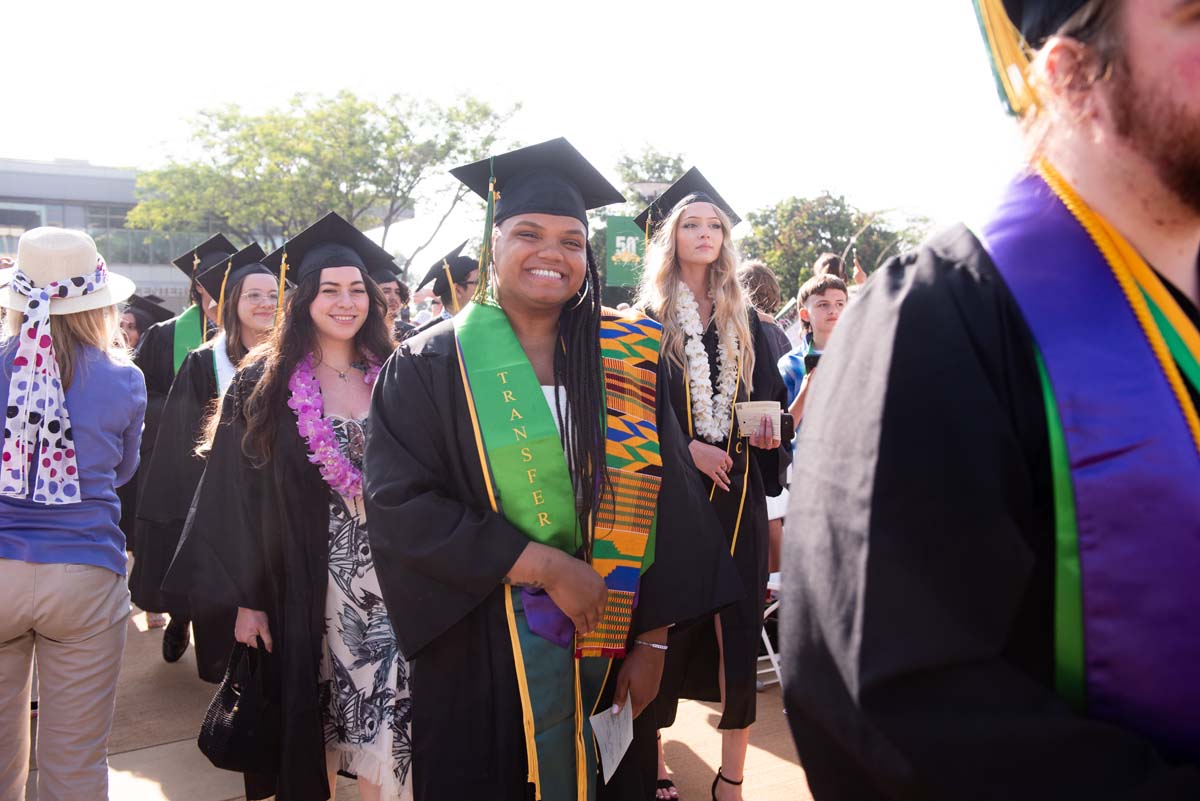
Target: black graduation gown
(918, 565)
(692, 661)
(169, 485)
(441, 553)
(258, 537)
(155, 357)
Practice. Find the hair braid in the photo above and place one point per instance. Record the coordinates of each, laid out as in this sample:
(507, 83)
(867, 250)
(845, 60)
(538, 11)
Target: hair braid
(577, 367)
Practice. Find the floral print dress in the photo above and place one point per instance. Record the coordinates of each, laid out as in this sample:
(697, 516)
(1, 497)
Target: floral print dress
(365, 699)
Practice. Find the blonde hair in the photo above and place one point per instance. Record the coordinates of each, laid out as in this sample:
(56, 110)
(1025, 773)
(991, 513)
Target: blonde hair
(660, 285)
(99, 328)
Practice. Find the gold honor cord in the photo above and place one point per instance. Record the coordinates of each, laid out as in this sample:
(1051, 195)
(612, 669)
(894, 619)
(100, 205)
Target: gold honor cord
(221, 298)
(283, 268)
(1134, 275)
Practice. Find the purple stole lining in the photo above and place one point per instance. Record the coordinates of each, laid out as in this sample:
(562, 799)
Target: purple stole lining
(1134, 469)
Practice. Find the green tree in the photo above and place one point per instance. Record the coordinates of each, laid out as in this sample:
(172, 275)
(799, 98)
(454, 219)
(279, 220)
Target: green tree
(638, 174)
(265, 177)
(792, 234)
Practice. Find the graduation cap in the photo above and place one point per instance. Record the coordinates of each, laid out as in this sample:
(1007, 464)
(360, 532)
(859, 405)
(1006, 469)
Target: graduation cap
(386, 274)
(213, 277)
(547, 178)
(1010, 28)
(147, 310)
(449, 269)
(204, 255)
(692, 187)
(329, 242)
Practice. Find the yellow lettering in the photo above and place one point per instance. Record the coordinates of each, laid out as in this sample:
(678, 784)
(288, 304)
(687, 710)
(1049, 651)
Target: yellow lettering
(526, 455)
(520, 432)
(543, 519)
(539, 498)
(515, 415)
(738, 447)
(508, 396)
(503, 377)
(532, 473)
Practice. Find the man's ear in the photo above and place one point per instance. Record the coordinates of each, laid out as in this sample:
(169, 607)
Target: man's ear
(804, 314)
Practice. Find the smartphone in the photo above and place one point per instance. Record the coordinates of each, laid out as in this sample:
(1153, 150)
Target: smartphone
(810, 362)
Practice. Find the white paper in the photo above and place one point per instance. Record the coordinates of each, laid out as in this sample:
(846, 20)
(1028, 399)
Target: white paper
(613, 735)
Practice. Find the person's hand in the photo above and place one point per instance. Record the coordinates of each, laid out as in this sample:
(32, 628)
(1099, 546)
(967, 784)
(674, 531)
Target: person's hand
(797, 407)
(640, 673)
(764, 438)
(712, 462)
(252, 624)
(577, 589)
(860, 275)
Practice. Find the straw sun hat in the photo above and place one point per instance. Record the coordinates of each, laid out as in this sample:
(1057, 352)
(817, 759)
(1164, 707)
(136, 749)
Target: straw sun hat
(46, 255)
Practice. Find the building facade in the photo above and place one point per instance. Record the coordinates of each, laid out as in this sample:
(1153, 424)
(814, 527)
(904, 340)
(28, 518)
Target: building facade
(95, 199)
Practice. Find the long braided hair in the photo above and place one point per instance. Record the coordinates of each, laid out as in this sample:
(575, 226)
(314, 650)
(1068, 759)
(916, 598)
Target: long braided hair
(577, 367)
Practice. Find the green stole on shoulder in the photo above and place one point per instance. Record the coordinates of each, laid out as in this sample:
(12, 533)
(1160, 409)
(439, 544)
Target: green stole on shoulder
(188, 334)
(529, 482)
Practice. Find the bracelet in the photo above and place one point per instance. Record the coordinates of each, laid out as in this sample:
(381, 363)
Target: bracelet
(653, 645)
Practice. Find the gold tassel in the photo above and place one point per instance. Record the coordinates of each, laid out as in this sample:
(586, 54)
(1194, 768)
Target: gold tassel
(283, 267)
(1009, 56)
(485, 252)
(221, 297)
(450, 278)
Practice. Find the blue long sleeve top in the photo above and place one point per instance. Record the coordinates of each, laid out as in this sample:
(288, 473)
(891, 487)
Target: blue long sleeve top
(107, 403)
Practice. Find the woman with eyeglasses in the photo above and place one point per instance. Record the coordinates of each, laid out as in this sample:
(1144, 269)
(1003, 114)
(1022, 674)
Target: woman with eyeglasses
(248, 294)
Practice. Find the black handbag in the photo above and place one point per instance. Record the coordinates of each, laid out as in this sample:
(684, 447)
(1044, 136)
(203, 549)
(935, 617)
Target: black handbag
(241, 728)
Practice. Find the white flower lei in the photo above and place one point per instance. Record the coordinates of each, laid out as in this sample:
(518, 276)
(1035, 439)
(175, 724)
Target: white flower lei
(711, 412)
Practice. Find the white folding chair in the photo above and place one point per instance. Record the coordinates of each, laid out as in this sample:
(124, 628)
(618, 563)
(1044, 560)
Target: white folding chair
(771, 656)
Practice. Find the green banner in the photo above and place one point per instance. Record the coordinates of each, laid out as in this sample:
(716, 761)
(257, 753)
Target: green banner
(626, 249)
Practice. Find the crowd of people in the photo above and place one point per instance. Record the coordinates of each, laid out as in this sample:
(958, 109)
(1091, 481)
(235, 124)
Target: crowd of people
(448, 542)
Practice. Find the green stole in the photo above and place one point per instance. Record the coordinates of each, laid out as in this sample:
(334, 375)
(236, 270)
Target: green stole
(529, 481)
(188, 334)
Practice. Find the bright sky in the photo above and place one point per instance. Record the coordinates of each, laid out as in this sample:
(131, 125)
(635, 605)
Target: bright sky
(890, 103)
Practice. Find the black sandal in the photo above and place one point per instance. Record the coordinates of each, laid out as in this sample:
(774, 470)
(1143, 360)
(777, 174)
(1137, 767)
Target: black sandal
(666, 784)
(721, 778)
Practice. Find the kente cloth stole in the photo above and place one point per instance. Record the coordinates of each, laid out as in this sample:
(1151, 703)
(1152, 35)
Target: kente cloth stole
(1114, 350)
(527, 469)
(187, 335)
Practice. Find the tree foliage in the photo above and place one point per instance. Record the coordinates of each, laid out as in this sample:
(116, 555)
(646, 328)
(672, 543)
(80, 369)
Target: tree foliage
(265, 177)
(792, 234)
(649, 166)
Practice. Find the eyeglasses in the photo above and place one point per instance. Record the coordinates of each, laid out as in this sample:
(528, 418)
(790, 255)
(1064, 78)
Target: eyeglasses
(255, 298)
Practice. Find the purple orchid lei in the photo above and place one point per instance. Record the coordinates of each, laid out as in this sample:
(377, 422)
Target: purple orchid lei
(339, 472)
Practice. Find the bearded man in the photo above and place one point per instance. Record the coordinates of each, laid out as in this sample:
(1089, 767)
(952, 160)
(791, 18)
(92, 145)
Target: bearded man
(994, 592)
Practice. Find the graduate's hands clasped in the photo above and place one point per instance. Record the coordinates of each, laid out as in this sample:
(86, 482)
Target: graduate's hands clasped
(252, 624)
(712, 462)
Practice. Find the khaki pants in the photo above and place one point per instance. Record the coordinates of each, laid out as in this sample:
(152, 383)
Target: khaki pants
(73, 617)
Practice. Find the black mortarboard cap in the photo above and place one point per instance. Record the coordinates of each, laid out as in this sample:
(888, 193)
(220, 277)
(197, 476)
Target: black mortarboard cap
(459, 267)
(1037, 20)
(147, 311)
(206, 254)
(329, 242)
(549, 178)
(692, 187)
(246, 261)
(386, 273)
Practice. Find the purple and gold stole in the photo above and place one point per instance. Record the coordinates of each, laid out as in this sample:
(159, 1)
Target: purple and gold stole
(1125, 445)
